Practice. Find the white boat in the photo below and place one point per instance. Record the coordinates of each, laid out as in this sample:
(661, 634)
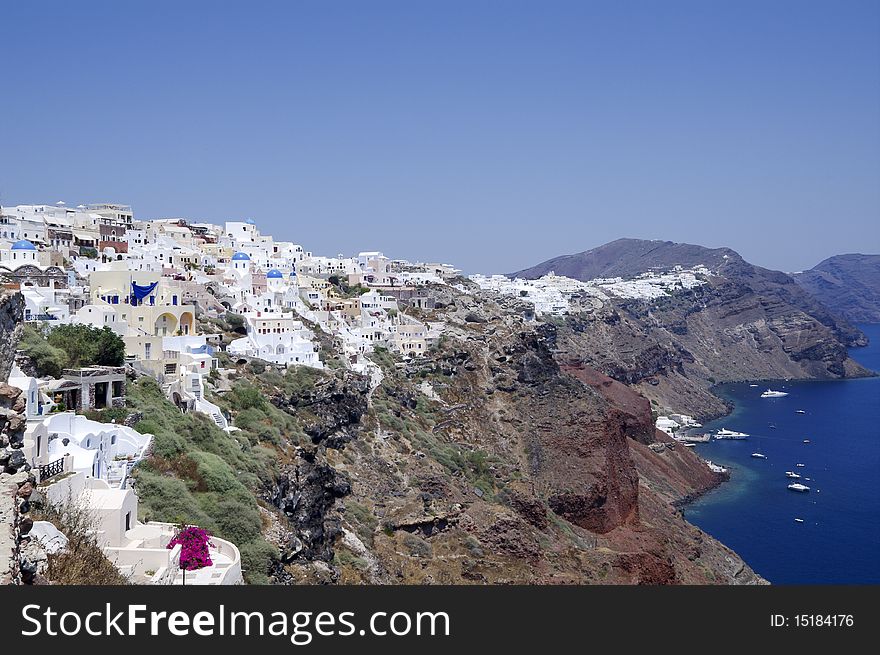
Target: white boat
(695, 438)
(792, 474)
(753, 385)
(806, 441)
(715, 468)
(800, 411)
(799, 520)
(800, 465)
(690, 445)
(724, 433)
(773, 394)
(797, 486)
(759, 455)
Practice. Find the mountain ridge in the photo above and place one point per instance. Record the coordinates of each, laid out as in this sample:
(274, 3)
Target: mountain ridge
(629, 257)
(743, 322)
(847, 284)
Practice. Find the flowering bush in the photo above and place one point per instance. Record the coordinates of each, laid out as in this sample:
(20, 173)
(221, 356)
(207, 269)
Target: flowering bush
(194, 542)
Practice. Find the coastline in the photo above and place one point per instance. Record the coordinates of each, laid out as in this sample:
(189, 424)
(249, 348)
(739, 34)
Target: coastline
(731, 409)
(755, 515)
(682, 503)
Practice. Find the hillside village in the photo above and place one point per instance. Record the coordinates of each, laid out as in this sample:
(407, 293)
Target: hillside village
(165, 287)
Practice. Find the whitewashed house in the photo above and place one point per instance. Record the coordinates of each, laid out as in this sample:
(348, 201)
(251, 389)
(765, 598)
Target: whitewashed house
(276, 337)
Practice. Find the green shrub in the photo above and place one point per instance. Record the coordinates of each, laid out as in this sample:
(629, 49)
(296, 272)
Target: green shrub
(257, 558)
(47, 359)
(237, 517)
(256, 366)
(169, 499)
(71, 346)
(202, 475)
(215, 473)
(165, 443)
(244, 395)
(107, 415)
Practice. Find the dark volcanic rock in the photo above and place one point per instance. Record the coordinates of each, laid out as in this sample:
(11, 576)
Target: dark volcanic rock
(306, 492)
(330, 408)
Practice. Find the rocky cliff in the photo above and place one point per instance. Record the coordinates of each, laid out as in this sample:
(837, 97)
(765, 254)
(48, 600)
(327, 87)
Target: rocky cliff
(849, 285)
(13, 467)
(745, 322)
(490, 460)
(628, 258)
(11, 317)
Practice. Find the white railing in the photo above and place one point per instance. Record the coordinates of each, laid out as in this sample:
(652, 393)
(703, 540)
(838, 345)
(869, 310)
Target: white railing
(213, 412)
(164, 562)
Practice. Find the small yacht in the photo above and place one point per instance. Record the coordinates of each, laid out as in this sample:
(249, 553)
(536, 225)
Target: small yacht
(799, 520)
(759, 455)
(724, 433)
(806, 441)
(773, 394)
(797, 486)
(792, 474)
(753, 385)
(800, 465)
(800, 411)
(715, 468)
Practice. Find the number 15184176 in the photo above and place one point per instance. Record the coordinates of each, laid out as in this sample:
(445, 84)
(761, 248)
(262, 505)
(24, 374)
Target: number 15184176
(813, 621)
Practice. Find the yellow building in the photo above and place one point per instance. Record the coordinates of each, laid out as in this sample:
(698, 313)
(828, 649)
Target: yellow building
(145, 301)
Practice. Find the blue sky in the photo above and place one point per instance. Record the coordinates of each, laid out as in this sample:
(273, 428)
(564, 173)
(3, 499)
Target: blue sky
(493, 135)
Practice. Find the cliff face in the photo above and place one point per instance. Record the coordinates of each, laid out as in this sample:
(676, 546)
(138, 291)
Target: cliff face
(11, 317)
(745, 322)
(492, 460)
(13, 473)
(524, 452)
(777, 293)
(849, 285)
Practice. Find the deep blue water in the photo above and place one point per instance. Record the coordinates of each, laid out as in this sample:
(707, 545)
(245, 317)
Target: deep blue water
(753, 513)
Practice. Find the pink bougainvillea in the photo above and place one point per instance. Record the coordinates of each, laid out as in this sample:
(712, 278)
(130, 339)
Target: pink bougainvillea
(194, 542)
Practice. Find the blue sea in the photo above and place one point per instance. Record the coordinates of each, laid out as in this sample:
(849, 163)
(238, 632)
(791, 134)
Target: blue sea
(754, 513)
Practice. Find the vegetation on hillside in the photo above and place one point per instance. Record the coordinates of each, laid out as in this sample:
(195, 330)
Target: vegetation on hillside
(200, 475)
(398, 407)
(71, 346)
(257, 419)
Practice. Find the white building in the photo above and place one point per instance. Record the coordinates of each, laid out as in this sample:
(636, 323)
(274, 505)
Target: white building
(277, 337)
(49, 304)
